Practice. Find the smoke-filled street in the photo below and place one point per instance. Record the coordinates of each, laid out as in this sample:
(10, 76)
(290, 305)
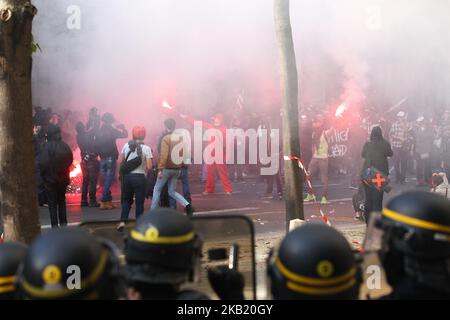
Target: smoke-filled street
(192, 150)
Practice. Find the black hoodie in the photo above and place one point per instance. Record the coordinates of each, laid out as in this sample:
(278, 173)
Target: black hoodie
(106, 141)
(376, 152)
(55, 158)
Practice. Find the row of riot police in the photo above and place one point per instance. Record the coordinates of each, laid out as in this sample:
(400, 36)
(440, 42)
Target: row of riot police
(411, 238)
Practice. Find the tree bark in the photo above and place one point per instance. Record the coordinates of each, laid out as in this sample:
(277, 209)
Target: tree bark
(18, 198)
(289, 90)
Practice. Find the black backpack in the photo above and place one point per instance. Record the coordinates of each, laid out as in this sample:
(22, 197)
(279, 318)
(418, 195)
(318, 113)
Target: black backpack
(126, 166)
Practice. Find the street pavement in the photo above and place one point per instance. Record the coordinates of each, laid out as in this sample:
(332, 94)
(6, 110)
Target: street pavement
(268, 215)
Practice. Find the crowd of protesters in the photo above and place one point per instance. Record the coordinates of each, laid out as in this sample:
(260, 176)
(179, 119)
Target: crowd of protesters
(418, 146)
(163, 249)
(401, 146)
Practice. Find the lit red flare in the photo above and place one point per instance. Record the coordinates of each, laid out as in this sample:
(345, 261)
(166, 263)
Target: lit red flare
(340, 110)
(166, 105)
(76, 170)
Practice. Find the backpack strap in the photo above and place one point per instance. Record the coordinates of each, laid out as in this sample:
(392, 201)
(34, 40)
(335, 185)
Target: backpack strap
(128, 155)
(129, 152)
(139, 150)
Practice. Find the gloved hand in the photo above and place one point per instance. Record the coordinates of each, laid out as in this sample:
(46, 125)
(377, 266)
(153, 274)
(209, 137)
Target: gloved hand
(228, 284)
(121, 126)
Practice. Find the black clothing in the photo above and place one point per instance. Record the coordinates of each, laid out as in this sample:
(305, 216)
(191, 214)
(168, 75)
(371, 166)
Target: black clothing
(375, 154)
(86, 143)
(133, 186)
(106, 141)
(90, 165)
(55, 158)
(56, 196)
(373, 201)
(90, 170)
(54, 163)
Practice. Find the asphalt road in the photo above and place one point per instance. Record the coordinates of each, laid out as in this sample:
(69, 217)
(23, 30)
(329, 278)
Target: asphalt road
(268, 215)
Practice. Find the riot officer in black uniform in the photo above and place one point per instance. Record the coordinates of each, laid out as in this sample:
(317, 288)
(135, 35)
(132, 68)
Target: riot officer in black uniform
(314, 262)
(412, 239)
(162, 252)
(11, 255)
(66, 264)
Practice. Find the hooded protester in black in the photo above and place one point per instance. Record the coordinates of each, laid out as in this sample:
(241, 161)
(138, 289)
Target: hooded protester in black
(55, 158)
(375, 154)
(376, 151)
(55, 161)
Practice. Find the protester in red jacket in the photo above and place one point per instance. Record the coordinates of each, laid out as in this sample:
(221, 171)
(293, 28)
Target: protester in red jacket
(213, 166)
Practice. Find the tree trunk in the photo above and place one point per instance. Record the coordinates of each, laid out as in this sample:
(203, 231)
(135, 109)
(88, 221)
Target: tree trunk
(289, 88)
(18, 198)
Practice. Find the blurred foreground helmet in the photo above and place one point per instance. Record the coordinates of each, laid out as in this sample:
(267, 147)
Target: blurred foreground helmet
(314, 261)
(11, 255)
(412, 238)
(70, 264)
(162, 248)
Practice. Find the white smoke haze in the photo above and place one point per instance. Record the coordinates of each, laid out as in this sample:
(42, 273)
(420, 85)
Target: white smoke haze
(129, 56)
